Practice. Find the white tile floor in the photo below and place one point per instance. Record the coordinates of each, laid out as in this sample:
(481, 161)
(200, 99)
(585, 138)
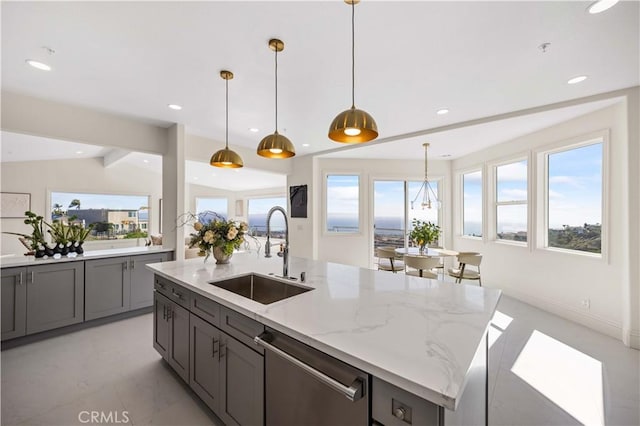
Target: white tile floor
(114, 369)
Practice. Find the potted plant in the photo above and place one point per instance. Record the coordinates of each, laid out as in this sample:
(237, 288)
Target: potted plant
(36, 240)
(424, 233)
(216, 235)
(60, 233)
(78, 234)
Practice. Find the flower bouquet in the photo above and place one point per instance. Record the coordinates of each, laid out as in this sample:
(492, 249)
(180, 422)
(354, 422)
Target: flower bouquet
(216, 235)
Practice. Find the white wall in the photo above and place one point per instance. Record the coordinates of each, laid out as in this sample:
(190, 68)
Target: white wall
(560, 281)
(39, 178)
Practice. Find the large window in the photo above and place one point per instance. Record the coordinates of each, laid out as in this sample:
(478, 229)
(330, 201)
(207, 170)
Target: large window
(257, 211)
(343, 203)
(217, 205)
(574, 198)
(393, 213)
(511, 201)
(472, 204)
(112, 216)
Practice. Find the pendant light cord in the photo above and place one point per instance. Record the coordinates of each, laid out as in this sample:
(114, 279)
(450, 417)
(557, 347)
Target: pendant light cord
(226, 130)
(353, 54)
(276, 50)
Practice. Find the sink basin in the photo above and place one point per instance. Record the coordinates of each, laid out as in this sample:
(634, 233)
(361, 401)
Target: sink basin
(261, 289)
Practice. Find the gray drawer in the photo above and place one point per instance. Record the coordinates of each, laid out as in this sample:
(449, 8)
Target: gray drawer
(393, 406)
(241, 327)
(206, 309)
(172, 291)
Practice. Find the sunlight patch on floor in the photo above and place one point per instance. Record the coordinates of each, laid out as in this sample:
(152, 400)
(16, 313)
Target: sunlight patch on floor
(569, 378)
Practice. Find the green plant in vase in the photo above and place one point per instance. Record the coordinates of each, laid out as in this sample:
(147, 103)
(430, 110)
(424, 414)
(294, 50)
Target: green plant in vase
(61, 235)
(424, 233)
(36, 240)
(78, 234)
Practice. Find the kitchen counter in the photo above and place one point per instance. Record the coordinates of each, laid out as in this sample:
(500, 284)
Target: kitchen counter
(21, 260)
(418, 334)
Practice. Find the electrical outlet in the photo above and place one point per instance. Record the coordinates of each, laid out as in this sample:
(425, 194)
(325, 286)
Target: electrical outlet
(586, 303)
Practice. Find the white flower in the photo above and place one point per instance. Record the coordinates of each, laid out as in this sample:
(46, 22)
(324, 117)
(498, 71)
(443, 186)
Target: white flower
(233, 231)
(208, 237)
(197, 226)
(243, 226)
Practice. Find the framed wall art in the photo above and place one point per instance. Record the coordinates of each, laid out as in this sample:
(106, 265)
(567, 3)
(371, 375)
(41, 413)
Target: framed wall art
(14, 204)
(298, 198)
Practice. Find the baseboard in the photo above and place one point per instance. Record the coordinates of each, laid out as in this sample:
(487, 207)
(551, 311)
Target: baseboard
(595, 322)
(634, 339)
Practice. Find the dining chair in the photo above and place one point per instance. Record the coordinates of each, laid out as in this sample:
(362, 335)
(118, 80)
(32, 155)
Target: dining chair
(422, 266)
(466, 259)
(387, 260)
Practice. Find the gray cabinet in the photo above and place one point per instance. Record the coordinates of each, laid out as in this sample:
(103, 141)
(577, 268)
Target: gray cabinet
(107, 287)
(204, 373)
(142, 278)
(171, 334)
(241, 383)
(14, 303)
(55, 295)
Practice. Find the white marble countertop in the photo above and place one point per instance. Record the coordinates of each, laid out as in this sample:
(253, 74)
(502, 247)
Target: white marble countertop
(21, 260)
(418, 334)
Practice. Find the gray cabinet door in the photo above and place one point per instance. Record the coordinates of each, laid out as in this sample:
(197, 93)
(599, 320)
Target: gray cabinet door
(178, 356)
(241, 384)
(161, 325)
(107, 287)
(14, 303)
(204, 373)
(142, 279)
(55, 295)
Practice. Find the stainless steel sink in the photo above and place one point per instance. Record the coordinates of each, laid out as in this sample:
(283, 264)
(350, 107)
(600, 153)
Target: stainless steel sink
(259, 288)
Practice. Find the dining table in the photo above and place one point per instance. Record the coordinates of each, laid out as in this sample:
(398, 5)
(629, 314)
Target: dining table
(429, 252)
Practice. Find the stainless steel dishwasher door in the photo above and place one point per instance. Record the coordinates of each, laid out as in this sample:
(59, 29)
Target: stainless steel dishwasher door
(304, 386)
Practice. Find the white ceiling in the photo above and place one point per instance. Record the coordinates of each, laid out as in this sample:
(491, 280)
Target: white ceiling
(232, 179)
(478, 59)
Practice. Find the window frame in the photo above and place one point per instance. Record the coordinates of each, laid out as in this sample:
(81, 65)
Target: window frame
(542, 180)
(478, 168)
(496, 204)
(325, 213)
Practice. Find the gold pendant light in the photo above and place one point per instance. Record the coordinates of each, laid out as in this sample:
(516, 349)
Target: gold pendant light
(276, 145)
(226, 158)
(353, 125)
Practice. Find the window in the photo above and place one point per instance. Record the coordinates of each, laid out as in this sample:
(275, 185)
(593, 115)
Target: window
(574, 198)
(217, 205)
(343, 203)
(472, 204)
(112, 216)
(392, 212)
(511, 201)
(257, 211)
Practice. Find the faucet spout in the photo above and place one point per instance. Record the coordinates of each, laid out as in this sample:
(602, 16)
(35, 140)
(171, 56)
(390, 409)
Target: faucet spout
(267, 247)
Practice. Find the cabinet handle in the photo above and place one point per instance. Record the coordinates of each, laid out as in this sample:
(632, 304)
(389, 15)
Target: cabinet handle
(32, 278)
(215, 351)
(132, 264)
(20, 278)
(222, 348)
(124, 265)
(178, 295)
(168, 313)
(164, 312)
(160, 284)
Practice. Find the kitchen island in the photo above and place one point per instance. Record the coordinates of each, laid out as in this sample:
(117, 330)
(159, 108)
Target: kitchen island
(424, 337)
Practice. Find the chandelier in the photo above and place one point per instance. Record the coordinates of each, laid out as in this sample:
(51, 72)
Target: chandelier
(429, 197)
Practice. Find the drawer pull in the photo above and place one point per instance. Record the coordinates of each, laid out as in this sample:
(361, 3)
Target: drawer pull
(215, 350)
(20, 278)
(175, 294)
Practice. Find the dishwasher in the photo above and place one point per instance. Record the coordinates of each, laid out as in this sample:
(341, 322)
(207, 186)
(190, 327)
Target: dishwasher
(304, 386)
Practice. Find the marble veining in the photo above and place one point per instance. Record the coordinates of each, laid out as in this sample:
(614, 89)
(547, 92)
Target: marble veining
(416, 333)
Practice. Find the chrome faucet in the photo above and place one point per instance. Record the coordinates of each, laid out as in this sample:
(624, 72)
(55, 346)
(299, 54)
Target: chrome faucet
(267, 247)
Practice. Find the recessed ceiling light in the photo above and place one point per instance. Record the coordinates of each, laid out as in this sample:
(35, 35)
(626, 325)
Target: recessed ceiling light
(175, 107)
(254, 130)
(442, 111)
(195, 178)
(445, 155)
(38, 65)
(79, 152)
(601, 6)
(577, 79)
(305, 144)
(145, 161)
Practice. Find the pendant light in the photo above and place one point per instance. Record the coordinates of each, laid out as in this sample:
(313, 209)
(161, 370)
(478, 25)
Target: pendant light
(276, 145)
(226, 158)
(426, 189)
(353, 125)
